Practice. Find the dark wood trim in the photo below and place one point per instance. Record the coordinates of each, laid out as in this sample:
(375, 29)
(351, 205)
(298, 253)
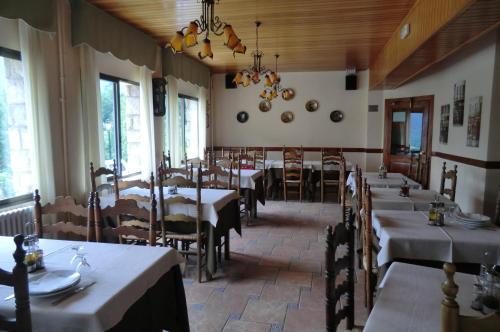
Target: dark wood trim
(308, 149)
(468, 161)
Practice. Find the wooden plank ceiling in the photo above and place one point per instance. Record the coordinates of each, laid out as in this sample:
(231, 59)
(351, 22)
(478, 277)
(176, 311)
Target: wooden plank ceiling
(310, 35)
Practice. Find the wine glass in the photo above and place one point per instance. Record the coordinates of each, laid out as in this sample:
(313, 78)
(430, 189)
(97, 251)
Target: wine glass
(79, 253)
(83, 267)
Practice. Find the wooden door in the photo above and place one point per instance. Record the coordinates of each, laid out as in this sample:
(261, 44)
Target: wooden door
(408, 132)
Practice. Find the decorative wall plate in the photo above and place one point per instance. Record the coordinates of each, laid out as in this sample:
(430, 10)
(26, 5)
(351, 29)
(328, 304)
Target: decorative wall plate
(242, 117)
(288, 94)
(265, 106)
(336, 116)
(312, 105)
(287, 117)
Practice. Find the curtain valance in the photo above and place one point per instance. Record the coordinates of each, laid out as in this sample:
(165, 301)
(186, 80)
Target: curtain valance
(185, 68)
(40, 14)
(105, 33)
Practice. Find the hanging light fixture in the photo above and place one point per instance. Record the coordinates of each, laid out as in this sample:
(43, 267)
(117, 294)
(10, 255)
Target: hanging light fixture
(208, 22)
(254, 72)
(272, 83)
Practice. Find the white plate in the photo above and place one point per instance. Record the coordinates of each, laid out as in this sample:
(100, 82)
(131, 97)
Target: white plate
(51, 282)
(62, 291)
(474, 217)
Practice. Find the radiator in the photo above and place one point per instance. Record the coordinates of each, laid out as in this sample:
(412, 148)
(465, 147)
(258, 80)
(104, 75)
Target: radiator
(12, 221)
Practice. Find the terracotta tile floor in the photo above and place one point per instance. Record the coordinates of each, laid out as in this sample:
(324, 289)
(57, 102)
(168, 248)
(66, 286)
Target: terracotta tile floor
(274, 280)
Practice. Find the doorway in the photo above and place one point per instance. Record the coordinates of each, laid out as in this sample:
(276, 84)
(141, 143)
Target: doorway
(408, 136)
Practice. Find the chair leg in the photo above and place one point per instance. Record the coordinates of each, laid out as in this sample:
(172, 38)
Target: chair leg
(200, 257)
(322, 192)
(219, 253)
(284, 189)
(300, 192)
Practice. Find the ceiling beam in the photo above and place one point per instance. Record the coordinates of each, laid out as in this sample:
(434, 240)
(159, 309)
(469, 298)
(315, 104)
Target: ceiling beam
(437, 29)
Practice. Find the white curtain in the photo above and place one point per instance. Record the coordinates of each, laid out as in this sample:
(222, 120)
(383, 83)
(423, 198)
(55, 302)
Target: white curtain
(37, 96)
(174, 129)
(202, 121)
(147, 123)
(91, 113)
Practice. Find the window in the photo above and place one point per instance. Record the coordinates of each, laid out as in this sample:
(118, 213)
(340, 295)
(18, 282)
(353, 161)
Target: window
(16, 175)
(188, 115)
(121, 123)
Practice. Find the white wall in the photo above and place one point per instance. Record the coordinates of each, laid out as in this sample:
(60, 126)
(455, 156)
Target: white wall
(475, 64)
(308, 129)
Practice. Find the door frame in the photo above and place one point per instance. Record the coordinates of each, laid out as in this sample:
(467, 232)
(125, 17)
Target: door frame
(388, 129)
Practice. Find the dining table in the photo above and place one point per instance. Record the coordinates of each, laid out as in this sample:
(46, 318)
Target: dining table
(407, 235)
(392, 180)
(251, 186)
(410, 296)
(136, 288)
(417, 200)
(220, 212)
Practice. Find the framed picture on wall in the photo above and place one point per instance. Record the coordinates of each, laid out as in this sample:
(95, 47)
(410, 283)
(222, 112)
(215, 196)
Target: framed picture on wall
(445, 124)
(458, 104)
(474, 123)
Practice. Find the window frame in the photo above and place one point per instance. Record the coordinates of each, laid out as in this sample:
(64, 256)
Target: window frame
(117, 118)
(24, 198)
(183, 96)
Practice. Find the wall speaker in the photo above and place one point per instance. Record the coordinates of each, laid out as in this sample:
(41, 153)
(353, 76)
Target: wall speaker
(351, 82)
(229, 81)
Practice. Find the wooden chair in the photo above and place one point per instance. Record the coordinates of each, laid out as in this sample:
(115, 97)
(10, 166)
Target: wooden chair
(343, 234)
(414, 166)
(18, 279)
(218, 178)
(293, 169)
(451, 320)
(344, 204)
(189, 228)
(70, 211)
(170, 172)
(452, 175)
(370, 276)
(422, 169)
(166, 159)
(329, 178)
(105, 187)
(128, 207)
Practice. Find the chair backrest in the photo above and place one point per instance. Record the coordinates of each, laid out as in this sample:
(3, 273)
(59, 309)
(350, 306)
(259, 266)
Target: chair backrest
(166, 159)
(165, 173)
(106, 186)
(69, 210)
(127, 184)
(259, 158)
(218, 178)
(414, 166)
(342, 234)
(247, 161)
(451, 320)
(343, 188)
(368, 247)
(293, 164)
(422, 168)
(127, 207)
(452, 175)
(18, 279)
(167, 216)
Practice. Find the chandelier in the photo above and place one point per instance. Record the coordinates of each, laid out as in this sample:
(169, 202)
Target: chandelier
(272, 83)
(208, 22)
(252, 74)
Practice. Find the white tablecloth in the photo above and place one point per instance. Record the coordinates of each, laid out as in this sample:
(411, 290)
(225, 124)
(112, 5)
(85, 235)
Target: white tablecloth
(393, 180)
(212, 201)
(315, 165)
(419, 200)
(406, 234)
(123, 273)
(247, 177)
(410, 299)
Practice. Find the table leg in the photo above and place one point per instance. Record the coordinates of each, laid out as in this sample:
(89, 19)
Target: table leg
(226, 246)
